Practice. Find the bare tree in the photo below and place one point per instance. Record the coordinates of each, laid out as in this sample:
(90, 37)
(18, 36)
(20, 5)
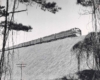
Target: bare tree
(91, 44)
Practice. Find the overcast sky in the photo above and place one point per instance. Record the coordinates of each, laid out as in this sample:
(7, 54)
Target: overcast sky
(45, 23)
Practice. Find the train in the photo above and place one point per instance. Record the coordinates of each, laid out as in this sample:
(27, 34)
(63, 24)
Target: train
(74, 32)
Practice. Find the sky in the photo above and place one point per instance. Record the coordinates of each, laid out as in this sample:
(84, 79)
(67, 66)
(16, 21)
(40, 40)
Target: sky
(45, 23)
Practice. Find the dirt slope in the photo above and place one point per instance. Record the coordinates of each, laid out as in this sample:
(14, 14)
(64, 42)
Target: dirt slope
(47, 60)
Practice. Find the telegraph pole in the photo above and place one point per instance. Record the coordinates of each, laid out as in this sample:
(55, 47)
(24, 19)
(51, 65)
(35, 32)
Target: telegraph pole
(21, 67)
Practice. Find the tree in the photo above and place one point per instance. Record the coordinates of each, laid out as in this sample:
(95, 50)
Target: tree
(11, 25)
(16, 26)
(95, 11)
(90, 46)
(50, 6)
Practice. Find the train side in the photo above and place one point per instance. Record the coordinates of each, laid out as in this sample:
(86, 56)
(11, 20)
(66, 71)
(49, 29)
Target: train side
(69, 33)
(48, 38)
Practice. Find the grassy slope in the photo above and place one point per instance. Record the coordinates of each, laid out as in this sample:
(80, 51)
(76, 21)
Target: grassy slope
(47, 60)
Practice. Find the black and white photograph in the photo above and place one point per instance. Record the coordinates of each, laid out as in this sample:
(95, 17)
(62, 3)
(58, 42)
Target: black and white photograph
(49, 39)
